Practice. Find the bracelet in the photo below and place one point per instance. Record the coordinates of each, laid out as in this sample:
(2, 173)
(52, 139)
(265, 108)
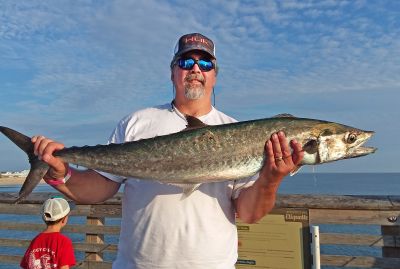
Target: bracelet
(58, 181)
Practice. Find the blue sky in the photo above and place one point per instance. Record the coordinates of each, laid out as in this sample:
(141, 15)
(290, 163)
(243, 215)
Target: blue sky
(71, 69)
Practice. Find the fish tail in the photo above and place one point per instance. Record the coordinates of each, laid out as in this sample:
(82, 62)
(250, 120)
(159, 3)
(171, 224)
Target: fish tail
(38, 167)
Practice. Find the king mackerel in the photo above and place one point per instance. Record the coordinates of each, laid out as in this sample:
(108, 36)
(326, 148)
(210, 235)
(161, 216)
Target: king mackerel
(201, 154)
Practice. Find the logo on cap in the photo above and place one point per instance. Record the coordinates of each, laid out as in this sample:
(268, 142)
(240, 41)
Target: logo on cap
(197, 39)
(194, 41)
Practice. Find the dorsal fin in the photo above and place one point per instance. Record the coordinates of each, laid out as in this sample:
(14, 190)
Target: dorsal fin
(193, 123)
(284, 115)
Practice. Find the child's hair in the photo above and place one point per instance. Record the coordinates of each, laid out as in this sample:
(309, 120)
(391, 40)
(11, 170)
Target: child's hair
(54, 210)
(50, 223)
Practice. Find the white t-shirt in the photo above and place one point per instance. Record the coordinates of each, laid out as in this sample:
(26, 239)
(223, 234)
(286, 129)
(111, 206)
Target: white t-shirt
(160, 228)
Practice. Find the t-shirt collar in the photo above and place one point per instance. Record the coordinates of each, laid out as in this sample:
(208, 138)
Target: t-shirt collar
(181, 115)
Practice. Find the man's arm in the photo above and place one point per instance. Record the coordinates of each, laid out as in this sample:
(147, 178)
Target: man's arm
(88, 187)
(83, 186)
(258, 200)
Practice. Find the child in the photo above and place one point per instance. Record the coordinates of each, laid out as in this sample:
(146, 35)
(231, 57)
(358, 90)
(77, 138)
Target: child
(51, 249)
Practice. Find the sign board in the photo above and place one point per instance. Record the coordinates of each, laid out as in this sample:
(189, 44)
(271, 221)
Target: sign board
(280, 240)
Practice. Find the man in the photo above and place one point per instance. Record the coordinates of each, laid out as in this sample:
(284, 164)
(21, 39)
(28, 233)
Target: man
(159, 229)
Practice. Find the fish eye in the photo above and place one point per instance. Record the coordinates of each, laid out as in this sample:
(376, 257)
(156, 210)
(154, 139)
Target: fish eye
(351, 138)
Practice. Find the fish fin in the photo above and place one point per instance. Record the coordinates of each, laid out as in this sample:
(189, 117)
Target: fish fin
(284, 115)
(193, 123)
(37, 172)
(294, 171)
(22, 141)
(38, 167)
(187, 189)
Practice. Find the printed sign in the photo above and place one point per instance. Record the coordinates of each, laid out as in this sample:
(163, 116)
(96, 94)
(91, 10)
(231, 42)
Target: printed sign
(280, 240)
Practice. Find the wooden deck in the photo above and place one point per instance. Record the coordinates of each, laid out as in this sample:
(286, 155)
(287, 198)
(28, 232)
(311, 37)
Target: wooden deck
(382, 212)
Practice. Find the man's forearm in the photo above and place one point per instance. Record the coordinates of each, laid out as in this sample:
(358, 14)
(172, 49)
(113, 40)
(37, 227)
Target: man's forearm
(256, 201)
(88, 187)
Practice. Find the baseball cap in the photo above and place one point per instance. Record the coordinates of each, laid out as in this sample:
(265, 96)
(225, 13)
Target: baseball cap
(55, 208)
(194, 41)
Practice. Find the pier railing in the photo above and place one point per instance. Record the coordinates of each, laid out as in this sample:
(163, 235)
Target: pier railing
(380, 214)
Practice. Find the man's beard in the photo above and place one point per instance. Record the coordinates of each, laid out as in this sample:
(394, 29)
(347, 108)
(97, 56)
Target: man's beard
(194, 91)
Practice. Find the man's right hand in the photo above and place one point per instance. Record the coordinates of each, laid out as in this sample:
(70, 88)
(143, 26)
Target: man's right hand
(80, 184)
(44, 149)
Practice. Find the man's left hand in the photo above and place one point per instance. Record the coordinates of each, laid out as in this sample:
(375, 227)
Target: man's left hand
(280, 159)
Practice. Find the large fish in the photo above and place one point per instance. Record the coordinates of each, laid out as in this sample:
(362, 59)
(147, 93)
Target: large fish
(202, 153)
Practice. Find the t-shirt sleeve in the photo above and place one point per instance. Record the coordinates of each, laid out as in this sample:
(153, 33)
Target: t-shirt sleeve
(67, 256)
(24, 263)
(25, 260)
(241, 184)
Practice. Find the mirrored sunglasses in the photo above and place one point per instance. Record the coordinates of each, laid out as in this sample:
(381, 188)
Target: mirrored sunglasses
(188, 63)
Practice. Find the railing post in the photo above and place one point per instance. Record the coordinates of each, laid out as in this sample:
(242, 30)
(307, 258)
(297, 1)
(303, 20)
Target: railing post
(315, 247)
(94, 238)
(394, 232)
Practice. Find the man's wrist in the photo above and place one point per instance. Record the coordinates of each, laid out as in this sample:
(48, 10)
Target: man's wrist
(268, 184)
(57, 181)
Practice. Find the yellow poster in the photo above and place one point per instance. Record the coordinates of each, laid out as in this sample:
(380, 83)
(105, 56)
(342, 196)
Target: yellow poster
(278, 241)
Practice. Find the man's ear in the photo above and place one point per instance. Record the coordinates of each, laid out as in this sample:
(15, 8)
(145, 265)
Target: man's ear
(172, 76)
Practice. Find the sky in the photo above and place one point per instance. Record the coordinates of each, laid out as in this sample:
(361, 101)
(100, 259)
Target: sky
(70, 70)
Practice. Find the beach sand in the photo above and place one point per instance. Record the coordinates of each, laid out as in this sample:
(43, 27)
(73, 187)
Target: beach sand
(14, 181)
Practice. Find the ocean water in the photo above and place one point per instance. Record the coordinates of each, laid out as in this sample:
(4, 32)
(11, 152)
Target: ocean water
(315, 183)
(301, 183)
(342, 184)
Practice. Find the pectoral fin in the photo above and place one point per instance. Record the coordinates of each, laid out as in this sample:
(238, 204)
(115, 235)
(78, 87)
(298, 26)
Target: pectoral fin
(297, 169)
(187, 189)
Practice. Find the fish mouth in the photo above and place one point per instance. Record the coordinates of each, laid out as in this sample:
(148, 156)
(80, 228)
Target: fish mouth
(358, 150)
(361, 151)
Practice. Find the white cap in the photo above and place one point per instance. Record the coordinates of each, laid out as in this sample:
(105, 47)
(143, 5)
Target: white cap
(54, 209)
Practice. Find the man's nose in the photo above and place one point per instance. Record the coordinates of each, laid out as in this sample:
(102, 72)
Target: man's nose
(196, 68)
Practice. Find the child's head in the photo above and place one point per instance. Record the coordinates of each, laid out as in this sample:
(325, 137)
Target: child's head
(55, 210)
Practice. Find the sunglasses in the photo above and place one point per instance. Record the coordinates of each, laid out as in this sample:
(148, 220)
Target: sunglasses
(188, 63)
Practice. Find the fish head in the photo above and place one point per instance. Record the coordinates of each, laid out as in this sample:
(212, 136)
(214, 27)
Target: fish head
(331, 142)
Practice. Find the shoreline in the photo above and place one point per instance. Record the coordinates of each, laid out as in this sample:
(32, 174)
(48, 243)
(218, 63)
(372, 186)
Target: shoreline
(14, 181)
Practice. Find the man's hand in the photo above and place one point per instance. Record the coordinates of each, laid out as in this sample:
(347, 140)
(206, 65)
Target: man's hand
(258, 200)
(44, 149)
(280, 159)
(81, 184)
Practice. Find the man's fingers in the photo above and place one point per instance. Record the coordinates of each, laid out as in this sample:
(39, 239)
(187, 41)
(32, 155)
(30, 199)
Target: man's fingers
(48, 153)
(276, 146)
(269, 151)
(42, 146)
(36, 140)
(286, 151)
(298, 152)
(44, 149)
(280, 152)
